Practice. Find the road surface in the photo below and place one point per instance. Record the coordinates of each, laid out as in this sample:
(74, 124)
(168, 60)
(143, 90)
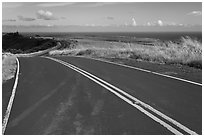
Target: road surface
(52, 98)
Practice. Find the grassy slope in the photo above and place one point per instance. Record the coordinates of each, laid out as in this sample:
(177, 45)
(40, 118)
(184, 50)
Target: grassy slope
(8, 66)
(185, 52)
(16, 43)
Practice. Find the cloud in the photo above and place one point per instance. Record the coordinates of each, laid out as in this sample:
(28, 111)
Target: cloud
(9, 20)
(49, 25)
(126, 24)
(26, 18)
(171, 24)
(55, 4)
(45, 15)
(160, 23)
(180, 24)
(90, 25)
(110, 18)
(134, 22)
(149, 24)
(195, 13)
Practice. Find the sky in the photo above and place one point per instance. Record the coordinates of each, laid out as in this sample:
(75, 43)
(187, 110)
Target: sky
(105, 16)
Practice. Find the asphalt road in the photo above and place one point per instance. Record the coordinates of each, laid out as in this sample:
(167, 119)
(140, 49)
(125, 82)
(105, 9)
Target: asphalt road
(54, 99)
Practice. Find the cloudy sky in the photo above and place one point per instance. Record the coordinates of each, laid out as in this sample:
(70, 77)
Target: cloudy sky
(102, 16)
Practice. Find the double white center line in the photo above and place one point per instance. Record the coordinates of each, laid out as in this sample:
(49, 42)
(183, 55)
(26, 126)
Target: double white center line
(169, 123)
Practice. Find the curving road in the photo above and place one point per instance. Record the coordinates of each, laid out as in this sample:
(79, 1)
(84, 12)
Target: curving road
(52, 98)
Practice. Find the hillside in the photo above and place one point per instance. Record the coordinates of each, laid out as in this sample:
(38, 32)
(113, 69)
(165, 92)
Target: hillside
(17, 43)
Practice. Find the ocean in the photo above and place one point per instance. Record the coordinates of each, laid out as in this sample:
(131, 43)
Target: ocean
(173, 36)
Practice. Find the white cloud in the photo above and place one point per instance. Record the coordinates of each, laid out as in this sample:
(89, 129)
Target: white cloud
(149, 24)
(126, 24)
(91, 25)
(134, 22)
(195, 13)
(50, 25)
(171, 24)
(160, 23)
(45, 15)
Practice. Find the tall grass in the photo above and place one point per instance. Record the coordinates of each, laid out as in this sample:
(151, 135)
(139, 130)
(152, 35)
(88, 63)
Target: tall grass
(8, 66)
(186, 52)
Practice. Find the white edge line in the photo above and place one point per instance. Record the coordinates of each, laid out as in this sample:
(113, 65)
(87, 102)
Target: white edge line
(142, 103)
(170, 128)
(8, 111)
(148, 71)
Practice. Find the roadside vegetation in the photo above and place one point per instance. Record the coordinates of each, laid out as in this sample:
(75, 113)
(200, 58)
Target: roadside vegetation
(16, 43)
(186, 51)
(8, 66)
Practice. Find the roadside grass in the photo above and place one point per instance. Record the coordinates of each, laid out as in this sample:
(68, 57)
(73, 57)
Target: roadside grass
(187, 51)
(8, 66)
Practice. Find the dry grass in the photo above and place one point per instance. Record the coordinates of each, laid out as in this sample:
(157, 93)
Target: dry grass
(186, 52)
(8, 66)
